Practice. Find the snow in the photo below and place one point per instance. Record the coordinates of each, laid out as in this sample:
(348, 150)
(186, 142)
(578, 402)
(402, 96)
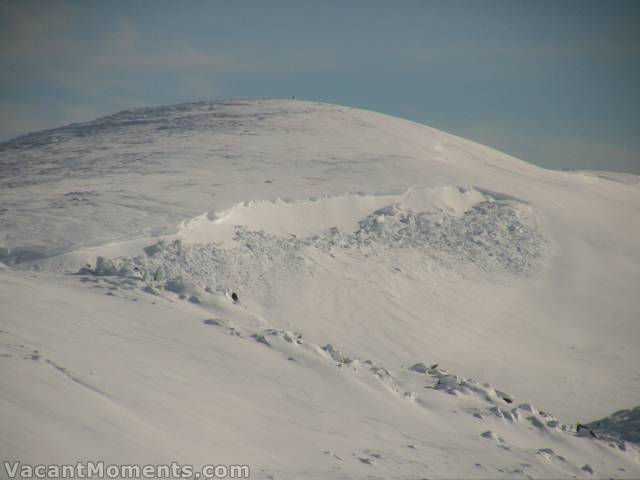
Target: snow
(394, 283)
(313, 216)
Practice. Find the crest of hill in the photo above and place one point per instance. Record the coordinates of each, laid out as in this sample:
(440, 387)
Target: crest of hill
(146, 170)
(142, 172)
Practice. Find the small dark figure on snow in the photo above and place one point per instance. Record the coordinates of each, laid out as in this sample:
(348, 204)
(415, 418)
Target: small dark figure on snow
(234, 297)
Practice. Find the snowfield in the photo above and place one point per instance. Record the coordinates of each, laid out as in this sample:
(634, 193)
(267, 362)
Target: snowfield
(410, 304)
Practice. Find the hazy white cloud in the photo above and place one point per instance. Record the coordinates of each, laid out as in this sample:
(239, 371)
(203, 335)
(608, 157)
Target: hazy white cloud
(125, 48)
(46, 47)
(47, 35)
(43, 49)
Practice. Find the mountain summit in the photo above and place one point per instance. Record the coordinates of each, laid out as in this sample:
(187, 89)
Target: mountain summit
(142, 170)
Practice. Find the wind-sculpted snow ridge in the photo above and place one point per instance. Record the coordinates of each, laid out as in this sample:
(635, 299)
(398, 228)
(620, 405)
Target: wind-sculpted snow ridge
(491, 235)
(482, 401)
(501, 436)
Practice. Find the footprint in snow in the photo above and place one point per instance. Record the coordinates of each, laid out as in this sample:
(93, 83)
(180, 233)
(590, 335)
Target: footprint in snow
(550, 455)
(369, 458)
(332, 455)
(589, 469)
(221, 323)
(491, 436)
(214, 321)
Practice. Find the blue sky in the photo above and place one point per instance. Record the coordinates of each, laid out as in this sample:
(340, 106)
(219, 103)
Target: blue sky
(555, 83)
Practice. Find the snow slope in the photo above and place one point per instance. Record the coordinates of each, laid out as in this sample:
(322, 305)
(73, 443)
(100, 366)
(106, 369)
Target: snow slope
(365, 249)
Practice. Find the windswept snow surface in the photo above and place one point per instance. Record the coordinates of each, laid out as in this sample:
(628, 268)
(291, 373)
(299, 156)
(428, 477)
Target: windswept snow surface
(411, 304)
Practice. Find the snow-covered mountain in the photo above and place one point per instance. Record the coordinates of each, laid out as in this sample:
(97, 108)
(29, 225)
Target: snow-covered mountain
(410, 304)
